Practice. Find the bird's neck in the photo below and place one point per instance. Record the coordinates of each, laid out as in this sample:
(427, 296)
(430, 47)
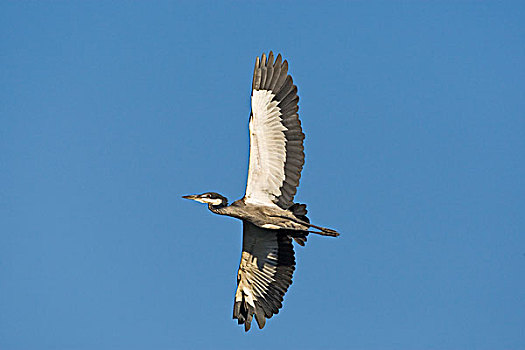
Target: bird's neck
(218, 209)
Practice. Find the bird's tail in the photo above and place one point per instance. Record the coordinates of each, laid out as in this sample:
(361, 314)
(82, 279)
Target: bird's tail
(299, 211)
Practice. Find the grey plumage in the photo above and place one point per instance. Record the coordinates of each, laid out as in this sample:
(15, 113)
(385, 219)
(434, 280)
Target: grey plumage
(271, 220)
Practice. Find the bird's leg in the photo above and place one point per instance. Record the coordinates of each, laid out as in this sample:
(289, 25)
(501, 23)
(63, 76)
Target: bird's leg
(324, 231)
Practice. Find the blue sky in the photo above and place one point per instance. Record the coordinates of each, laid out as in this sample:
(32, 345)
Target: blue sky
(414, 114)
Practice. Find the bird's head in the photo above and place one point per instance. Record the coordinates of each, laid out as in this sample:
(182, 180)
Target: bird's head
(210, 198)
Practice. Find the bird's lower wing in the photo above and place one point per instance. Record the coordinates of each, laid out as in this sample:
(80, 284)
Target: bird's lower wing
(276, 137)
(265, 273)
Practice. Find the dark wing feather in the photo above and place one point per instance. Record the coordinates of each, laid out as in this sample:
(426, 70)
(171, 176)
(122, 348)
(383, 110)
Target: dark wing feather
(265, 273)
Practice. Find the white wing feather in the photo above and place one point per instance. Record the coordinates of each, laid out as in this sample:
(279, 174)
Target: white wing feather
(267, 150)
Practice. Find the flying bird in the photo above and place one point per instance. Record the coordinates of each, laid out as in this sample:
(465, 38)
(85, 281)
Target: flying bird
(269, 215)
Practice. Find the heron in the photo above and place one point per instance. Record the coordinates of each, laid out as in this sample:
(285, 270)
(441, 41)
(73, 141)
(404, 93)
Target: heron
(271, 219)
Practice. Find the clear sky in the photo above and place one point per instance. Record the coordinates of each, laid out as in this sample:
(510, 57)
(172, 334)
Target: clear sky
(414, 114)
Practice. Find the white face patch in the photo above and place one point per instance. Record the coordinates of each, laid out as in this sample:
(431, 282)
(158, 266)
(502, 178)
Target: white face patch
(212, 201)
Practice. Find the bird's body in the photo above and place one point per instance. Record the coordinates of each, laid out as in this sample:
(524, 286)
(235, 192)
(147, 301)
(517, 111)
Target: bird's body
(270, 217)
(266, 216)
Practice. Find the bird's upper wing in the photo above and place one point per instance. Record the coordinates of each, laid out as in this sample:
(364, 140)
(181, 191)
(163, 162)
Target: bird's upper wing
(276, 137)
(265, 273)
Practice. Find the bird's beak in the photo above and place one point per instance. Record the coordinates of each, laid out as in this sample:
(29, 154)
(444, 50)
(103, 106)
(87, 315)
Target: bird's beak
(190, 196)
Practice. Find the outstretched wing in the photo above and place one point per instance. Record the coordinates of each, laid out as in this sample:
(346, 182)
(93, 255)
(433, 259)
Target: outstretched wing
(265, 273)
(276, 137)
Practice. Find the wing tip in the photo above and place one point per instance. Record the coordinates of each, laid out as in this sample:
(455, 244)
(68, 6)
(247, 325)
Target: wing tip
(267, 62)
